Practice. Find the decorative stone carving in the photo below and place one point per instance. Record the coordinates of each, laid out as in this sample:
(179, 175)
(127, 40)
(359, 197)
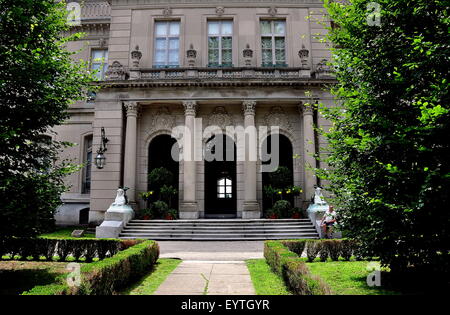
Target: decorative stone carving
(116, 72)
(304, 55)
(249, 107)
(278, 118)
(163, 120)
(323, 69)
(220, 11)
(191, 55)
(136, 56)
(220, 118)
(132, 108)
(102, 42)
(247, 53)
(306, 109)
(167, 11)
(273, 11)
(190, 108)
(120, 198)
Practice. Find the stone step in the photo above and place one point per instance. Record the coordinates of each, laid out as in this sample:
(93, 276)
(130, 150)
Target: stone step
(228, 226)
(223, 221)
(220, 238)
(221, 228)
(211, 231)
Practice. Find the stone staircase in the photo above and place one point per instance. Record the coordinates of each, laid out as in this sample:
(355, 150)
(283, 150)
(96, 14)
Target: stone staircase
(219, 230)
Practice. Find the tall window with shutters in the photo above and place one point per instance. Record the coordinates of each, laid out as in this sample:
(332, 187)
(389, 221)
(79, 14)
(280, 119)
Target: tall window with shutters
(220, 43)
(167, 44)
(273, 42)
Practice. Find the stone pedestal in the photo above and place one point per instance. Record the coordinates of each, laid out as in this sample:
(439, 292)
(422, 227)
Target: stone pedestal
(115, 220)
(315, 214)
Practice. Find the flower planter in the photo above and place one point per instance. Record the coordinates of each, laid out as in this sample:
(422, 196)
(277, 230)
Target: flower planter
(296, 216)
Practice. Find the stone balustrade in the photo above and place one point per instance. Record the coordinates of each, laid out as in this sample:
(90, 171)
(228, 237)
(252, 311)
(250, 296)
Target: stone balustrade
(95, 10)
(223, 73)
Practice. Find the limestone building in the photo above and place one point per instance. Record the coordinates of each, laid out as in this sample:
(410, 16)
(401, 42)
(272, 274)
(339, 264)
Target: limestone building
(163, 64)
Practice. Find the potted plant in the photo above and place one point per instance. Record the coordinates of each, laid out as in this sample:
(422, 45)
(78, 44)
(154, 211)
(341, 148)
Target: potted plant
(171, 214)
(145, 214)
(296, 213)
(272, 214)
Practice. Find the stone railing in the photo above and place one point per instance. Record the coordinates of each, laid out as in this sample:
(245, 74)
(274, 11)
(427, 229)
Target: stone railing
(219, 73)
(94, 10)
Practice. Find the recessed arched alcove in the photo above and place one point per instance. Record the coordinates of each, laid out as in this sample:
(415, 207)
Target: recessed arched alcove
(286, 159)
(160, 153)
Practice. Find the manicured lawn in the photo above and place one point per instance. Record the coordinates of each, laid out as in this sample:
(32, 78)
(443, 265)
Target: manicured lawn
(264, 280)
(347, 277)
(19, 276)
(149, 283)
(65, 233)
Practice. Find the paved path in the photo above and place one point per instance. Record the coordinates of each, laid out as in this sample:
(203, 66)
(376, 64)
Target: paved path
(212, 251)
(208, 278)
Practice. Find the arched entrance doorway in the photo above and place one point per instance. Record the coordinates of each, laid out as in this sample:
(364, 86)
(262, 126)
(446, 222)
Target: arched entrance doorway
(286, 159)
(220, 177)
(160, 155)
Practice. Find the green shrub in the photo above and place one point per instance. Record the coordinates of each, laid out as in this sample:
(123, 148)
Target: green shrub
(107, 276)
(347, 248)
(283, 207)
(300, 281)
(77, 249)
(294, 272)
(312, 249)
(333, 247)
(296, 246)
(323, 250)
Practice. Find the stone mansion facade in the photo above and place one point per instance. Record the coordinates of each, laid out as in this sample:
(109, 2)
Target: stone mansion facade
(163, 64)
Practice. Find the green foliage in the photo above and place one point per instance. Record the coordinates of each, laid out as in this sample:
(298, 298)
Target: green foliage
(58, 249)
(283, 207)
(281, 178)
(110, 275)
(150, 283)
(38, 80)
(161, 195)
(264, 280)
(160, 177)
(293, 270)
(389, 162)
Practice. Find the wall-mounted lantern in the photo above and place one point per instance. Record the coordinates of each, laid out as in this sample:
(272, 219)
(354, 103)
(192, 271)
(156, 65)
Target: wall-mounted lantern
(100, 159)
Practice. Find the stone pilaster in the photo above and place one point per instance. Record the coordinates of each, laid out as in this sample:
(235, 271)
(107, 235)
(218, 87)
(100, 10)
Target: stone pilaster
(189, 206)
(129, 176)
(309, 143)
(251, 209)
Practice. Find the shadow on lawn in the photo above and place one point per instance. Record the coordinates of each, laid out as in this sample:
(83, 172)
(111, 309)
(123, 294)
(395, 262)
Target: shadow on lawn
(15, 282)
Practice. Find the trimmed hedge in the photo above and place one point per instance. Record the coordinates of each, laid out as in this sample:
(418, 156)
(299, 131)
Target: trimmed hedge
(60, 249)
(107, 276)
(292, 269)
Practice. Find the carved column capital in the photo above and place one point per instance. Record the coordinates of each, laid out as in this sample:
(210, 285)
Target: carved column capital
(190, 108)
(249, 107)
(132, 108)
(306, 108)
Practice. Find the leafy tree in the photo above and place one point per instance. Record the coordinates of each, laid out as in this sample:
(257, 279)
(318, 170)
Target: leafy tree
(390, 148)
(38, 80)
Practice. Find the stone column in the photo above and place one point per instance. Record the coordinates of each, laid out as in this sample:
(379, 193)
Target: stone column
(309, 144)
(188, 207)
(129, 176)
(251, 208)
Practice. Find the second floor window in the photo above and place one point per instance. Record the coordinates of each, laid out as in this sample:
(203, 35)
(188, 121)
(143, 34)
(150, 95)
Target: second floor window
(273, 42)
(220, 43)
(167, 44)
(99, 62)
